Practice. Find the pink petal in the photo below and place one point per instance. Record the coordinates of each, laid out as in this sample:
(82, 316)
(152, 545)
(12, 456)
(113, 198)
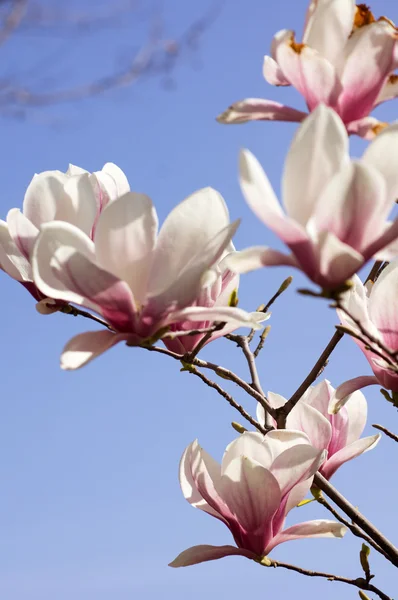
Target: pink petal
(252, 494)
(12, 261)
(84, 347)
(328, 27)
(64, 268)
(357, 413)
(383, 305)
(344, 391)
(369, 59)
(338, 261)
(384, 245)
(348, 453)
(43, 196)
(354, 206)
(22, 231)
(203, 553)
(318, 396)
(367, 128)
(389, 91)
(125, 238)
(80, 205)
(380, 154)
(272, 72)
(309, 420)
(257, 109)
(310, 73)
(250, 443)
(318, 152)
(257, 257)
(296, 464)
(221, 314)
(320, 528)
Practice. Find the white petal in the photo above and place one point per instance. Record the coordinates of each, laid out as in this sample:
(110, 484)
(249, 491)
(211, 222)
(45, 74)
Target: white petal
(381, 154)
(11, 259)
(203, 553)
(84, 347)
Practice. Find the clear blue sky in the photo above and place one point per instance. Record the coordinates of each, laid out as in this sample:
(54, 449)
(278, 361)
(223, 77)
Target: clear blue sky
(90, 504)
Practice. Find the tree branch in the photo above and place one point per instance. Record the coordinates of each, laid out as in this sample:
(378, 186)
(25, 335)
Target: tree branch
(391, 435)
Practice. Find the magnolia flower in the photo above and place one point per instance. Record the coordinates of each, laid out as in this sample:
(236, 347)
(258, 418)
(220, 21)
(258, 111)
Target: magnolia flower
(336, 208)
(346, 61)
(77, 197)
(338, 434)
(219, 291)
(375, 307)
(139, 281)
(260, 480)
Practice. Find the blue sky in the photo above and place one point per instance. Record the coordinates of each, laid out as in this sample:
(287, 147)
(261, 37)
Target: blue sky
(90, 505)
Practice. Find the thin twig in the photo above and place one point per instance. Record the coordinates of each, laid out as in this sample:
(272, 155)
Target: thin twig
(243, 343)
(204, 341)
(357, 517)
(355, 530)
(228, 398)
(265, 307)
(263, 337)
(359, 583)
(284, 410)
(390, 434)
(68, 309)
(374, 271)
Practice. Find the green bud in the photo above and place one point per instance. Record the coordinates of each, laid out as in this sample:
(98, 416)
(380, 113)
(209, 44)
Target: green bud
(305, 501)
(266, 561)
(362, 595)
(238, 427)
(316, 492)
(233, 299)
(363, 557)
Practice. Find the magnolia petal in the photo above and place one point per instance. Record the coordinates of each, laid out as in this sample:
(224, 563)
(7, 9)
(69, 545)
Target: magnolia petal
(257, 109)
(220, 314)
(383, 247)
(256, 257)
(329, 26)
(383, 305)
(261, 198)
(320, 528)
(344, 391)
(204, 553)
(357, 413)
(251, 492)
(309, 420)
(368, 60)
(295, 465)
(319, 150)
(22, 231)
(187, 482)
(380, 154)
(338, 261)
(119, 178)
(80, 207)
(348, 453)
(354, 205)
(11, 259)
(125, 238)
(272, 72)
(44, 195)
(84, 347)
(389, 91)
(310, 73)
(250, 443)
(389, 252)
(367, 128)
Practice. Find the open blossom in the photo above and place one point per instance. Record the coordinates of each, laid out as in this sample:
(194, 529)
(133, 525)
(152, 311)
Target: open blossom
(221, 291)
(260, 480)
(336, 208)
(339, 434)
(77, 197)
(346, 61)
(375, 307)
(139, 281)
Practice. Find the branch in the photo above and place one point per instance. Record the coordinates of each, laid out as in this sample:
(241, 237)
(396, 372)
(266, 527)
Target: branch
(265, 307)
(357, 517)
(391, 435)
(320, 364)
(68, 309)
(359, 583)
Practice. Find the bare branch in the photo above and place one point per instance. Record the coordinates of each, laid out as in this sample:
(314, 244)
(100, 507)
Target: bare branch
(389, 433)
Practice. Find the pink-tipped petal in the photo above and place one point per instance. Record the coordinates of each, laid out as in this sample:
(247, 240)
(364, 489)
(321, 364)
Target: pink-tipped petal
(22, 231)
(257, 109)
(369, 59)
(320, 528)
(322, 135)
(84, 347)
(308, 71)
(257, 257)
(348, 453)
(328, 27)
(295, 465)
(221, 314)
(367, 128)
(309, 420)
(383, 305)
(338, 261)
(125, 238)
(12, 261)
(204, 553)
(357, 413)
(380, 154)
(272, 72)
(344, 391)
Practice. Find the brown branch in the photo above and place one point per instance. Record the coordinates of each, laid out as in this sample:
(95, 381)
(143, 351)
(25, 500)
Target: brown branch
(228, 398)
(13, 20)
(68, 309)
(284, 410)
(359, 583)
(357, 517)
(389, 433)
(265, 307)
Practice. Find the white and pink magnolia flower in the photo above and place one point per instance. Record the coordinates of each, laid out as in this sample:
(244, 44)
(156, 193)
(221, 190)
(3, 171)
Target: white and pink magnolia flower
(339, 434)
(336, 208)
(260, 480)
(77, 197)
(139, 281)
(220, 291)
(375, 307)
(346, 61)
